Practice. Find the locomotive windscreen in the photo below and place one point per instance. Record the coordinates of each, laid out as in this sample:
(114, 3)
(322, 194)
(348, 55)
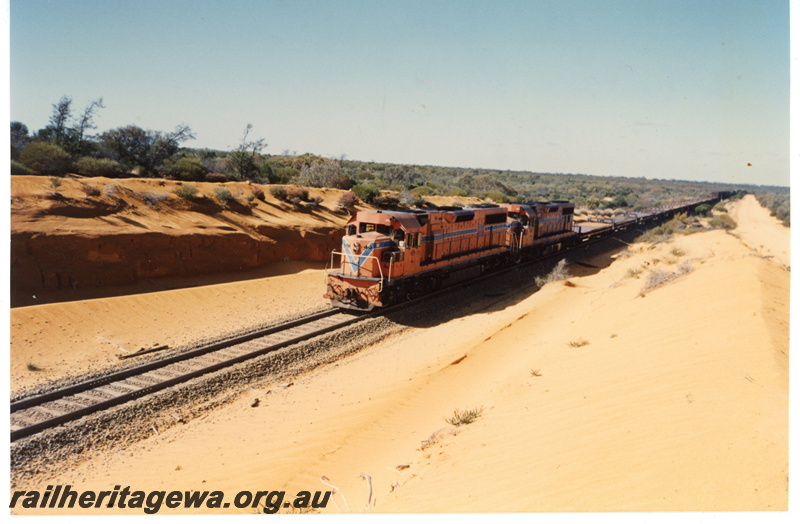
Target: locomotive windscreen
(380, 228)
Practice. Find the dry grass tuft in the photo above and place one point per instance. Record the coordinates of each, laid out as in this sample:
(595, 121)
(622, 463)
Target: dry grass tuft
(464, 417)
(558, 273)
(633, 273)
(658, 277)
(579, 343)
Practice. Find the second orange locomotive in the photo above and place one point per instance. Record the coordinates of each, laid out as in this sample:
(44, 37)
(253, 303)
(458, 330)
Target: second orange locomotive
(388, 256)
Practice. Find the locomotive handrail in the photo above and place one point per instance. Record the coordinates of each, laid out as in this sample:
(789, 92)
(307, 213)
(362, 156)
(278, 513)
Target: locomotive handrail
(334, 252)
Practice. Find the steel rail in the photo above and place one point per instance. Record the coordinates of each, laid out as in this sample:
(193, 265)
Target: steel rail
(53, 418)
(86, 388)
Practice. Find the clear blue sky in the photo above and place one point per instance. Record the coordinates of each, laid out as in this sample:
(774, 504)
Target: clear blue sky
(661, 89)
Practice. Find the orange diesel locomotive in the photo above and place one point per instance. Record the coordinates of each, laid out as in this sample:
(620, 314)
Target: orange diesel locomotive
(389, 256)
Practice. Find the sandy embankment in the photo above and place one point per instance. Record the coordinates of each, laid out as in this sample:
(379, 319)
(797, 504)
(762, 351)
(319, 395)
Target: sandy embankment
(759, 231)
(679, 401)
(72, 338)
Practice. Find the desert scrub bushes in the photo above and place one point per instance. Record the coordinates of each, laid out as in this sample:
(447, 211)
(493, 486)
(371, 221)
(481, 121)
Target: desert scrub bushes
(779, 205)
(187, 168)
(258, 193)
(216, 177)
(348, 201)
(559, 272)
(187, 191)
(153, 199)
(633, 272)
(702, 210)
(93, 167)
(467, 416)
(90, 191)
(366, 192)
(295, 195)
(324, 174)
(46, 159)
(386, 201)
(315, 202)
(409, 199)
(658, 277)
(278, 192)
(17, 168)
(578, 343)
(722, 221)
(223, 195)
(665, 231)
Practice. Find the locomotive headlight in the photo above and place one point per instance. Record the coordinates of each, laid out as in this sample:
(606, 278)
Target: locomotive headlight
(356, 248)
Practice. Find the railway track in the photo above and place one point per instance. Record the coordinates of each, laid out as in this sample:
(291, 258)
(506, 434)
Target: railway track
(35, 414)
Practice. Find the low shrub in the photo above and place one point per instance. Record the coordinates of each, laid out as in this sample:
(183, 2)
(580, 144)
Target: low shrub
(298, 194)
(457, 192)
(186, 191)
(467, 416)
(278, 192)
(366, 192)
(386, 201)
(46, 159)
(557, 273)
(258, 193)
(723, 221)
(702, 210)
(216, 177)
(105, 167)
(348, 201)
(658, 278)
(185, 168)
(153, 199)
(578, 343)
(223, 195)
(315, 202)
(90, 190)
(17, 168)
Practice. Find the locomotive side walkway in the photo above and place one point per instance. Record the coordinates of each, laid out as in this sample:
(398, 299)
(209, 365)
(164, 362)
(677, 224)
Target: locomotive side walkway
(678, 400)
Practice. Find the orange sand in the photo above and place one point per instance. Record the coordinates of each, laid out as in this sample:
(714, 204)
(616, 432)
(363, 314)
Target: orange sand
(679, 401)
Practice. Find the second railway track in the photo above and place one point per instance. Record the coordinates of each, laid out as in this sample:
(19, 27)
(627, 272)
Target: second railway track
(35, 414)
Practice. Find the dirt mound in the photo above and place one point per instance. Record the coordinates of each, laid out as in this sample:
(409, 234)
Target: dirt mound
(102, 232)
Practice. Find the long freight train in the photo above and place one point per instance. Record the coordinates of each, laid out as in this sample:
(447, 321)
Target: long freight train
(389, 256)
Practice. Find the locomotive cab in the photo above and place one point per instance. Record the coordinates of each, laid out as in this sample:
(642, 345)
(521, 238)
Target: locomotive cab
(373, 255)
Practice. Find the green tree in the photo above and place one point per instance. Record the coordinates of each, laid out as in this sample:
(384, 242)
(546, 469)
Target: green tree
(62, 111)
(84, 123)
(242, 162)
(19, 139)
(133, 146)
